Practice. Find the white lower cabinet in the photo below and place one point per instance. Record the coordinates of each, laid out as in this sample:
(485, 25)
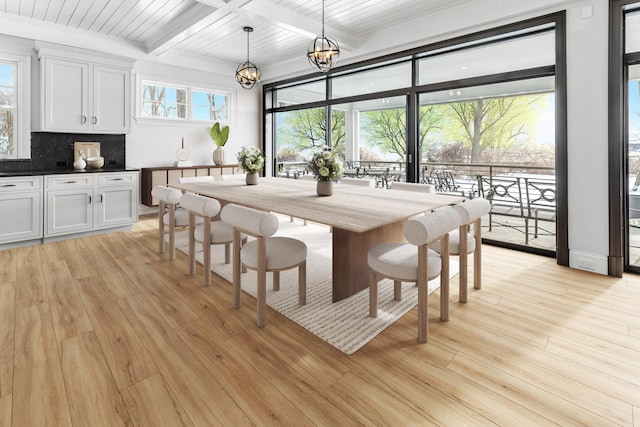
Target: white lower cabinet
(20, 209)
(78, 203)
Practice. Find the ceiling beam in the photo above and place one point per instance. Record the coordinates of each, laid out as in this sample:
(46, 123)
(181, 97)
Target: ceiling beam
(281, 17)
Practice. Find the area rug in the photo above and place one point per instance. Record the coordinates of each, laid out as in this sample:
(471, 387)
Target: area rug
(346, 324)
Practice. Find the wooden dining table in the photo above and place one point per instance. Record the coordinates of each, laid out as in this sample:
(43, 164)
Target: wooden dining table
(361, 217)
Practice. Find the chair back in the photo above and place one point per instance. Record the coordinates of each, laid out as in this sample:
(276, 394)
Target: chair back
(426, 229)
(473, 209)
(200, 205)
(166, 194)
(190, 179)
(252, 221)
(307, 177)
(411, 186)
(363, 182)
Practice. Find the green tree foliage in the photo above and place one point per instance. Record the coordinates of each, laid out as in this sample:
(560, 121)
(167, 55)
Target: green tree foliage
(494, 123)
(305, 130)
(387, 129)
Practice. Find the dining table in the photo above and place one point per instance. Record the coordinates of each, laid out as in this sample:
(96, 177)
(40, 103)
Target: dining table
(360, 217)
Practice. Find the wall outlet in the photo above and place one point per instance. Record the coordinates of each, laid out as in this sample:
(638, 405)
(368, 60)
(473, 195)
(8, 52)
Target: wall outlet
(62, 164)
(113, 162)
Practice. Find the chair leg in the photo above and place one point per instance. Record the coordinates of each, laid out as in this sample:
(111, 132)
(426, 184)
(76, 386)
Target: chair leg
(477, 255)
(172, 232)
(397, 290)
(276, 280)
(236, 269)
(423, 294)
(444, 279)
(373, 294)
(463, 251)
(192, 245)
(302, 283)
(227, 253)
(161, 227)
(206, 246)
(262, 282)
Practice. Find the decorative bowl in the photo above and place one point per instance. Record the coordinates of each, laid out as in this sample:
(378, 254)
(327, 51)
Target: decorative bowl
(95, 162)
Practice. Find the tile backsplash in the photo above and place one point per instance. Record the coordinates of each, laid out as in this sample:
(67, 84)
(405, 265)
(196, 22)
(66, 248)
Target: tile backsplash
(55, 151)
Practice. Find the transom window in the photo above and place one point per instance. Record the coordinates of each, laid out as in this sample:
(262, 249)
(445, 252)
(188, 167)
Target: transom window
(159, 100)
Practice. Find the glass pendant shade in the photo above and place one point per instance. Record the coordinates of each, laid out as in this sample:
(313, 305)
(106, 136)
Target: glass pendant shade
(247, 73)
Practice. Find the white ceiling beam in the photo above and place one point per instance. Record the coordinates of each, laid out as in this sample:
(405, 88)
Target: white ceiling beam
(193, 20)
(281, 17)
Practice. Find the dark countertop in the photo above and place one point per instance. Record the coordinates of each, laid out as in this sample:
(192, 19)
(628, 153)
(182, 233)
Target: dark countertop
(63, 171)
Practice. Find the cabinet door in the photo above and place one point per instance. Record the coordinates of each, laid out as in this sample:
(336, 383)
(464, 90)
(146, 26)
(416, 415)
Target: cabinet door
(69, 211)
(110, 99)
(116, 206)
(65, 95)
(21, 215)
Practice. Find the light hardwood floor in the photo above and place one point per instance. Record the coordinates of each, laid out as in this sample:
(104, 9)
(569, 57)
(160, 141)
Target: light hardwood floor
(102, 331)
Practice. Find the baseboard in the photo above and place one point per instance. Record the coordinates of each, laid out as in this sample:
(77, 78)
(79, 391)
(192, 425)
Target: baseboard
(589, 262)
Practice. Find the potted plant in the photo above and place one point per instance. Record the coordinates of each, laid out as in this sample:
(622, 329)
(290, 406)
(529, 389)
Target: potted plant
(251, 160)
(327, 168)
(220, 135)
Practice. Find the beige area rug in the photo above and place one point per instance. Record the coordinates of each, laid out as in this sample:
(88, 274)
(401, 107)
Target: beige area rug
(345, 324)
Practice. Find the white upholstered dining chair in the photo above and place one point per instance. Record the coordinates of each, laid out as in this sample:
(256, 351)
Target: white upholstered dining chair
(415, 262)
(192, 179)
(364, 182)
(207, 233)
(471, 213)
(169, 215)
(413, 186)
(267, 253)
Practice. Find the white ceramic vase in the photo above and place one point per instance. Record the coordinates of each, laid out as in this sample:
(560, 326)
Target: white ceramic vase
(218, 156)
(252, 178)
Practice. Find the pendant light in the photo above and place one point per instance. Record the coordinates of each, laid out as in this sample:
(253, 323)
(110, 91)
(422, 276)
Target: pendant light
(322, 52)
(247, 73)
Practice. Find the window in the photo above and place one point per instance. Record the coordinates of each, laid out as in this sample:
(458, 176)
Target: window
(159, 100)
(14, 107)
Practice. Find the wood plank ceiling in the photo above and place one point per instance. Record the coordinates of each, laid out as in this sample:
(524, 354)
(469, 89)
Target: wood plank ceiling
(213, 28)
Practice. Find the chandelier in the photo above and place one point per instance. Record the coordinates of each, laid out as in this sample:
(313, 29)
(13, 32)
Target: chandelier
(322, 52)
(247, 73)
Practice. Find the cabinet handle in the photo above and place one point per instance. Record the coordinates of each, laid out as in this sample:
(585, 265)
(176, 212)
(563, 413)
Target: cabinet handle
(70, 182)
(8, 185)
(94, 120)
(89, 198)
(101, 197)
(116, 179)
(84, 119)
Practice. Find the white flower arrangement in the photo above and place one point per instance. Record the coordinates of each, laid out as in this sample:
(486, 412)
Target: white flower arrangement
(251, 159)
(325, 166)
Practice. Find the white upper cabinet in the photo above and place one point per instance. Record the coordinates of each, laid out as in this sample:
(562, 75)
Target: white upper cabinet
(83, 91)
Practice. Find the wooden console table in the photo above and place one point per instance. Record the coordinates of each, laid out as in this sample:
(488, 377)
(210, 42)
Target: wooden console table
(168, 175)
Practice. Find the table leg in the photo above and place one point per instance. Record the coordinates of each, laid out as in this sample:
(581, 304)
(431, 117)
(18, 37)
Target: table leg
(350, 268)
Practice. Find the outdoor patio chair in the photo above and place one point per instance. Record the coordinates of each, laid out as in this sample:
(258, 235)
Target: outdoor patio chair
(541, 201)
(403, 262)
(363, 182)
(264, 254)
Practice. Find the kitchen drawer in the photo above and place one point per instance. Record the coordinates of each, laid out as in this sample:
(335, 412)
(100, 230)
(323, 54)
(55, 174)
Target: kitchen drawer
(20, 184)
(113, 178)
(62, 182)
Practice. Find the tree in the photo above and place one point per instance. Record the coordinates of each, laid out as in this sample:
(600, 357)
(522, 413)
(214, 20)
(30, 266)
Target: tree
(306, 129)
(493, 123)
(387, 129)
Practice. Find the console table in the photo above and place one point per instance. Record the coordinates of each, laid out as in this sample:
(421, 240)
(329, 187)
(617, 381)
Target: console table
(168, 175)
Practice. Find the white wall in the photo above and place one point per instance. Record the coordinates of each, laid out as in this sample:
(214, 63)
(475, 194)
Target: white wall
(155, 144)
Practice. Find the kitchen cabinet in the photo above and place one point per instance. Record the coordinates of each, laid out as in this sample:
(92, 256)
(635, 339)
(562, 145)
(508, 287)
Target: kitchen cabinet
(82, 91)
(20, 209)
(76, 203)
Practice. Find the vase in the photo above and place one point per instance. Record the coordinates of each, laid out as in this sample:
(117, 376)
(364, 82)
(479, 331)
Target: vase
(324, 188)
(252, 178)
(218, 156)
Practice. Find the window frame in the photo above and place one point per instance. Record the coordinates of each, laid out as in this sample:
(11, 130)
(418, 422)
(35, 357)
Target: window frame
(189, 88)
(22, 95)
